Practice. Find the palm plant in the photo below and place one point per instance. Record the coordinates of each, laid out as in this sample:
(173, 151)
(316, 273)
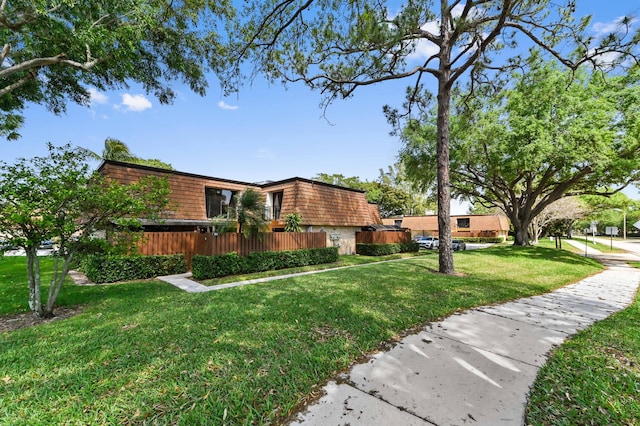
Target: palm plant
(293, 222)
(116, 150)
(250, 210)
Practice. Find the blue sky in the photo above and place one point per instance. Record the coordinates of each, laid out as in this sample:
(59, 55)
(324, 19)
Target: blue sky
(263, 133)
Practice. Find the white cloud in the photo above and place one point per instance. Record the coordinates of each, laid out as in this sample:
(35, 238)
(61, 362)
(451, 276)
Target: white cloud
(605, 28)
(606, 59)
(97, 97)
(135, 103)
(425, 49)
(265, 154)
(224, 105)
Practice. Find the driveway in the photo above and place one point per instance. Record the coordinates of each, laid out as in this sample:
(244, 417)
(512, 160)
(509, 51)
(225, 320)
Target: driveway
(632, 245)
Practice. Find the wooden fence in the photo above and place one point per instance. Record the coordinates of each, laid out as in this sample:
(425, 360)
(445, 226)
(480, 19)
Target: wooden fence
(382, 237)
(190, 243)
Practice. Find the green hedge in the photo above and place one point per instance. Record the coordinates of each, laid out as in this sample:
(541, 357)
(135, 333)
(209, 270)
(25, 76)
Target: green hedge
(109, 269)
(206, 267)
(480, 239)
(386, 249)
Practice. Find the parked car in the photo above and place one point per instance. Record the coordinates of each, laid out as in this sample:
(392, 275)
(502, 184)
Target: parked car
(48, 244)
(6, 246)
(429, 242)
(458, 245)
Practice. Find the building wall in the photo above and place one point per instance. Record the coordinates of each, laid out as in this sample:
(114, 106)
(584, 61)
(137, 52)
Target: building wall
(343, 237)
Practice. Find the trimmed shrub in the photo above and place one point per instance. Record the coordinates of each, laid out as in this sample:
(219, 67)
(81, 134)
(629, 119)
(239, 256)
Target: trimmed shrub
(480, 239)
(410, 247)
(108, 269)
(215, 266)
(386, 249)
(206, 267)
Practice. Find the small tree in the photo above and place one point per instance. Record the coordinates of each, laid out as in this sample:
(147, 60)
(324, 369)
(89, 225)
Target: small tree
(59, 198)
(250, 213)
(293, 222)
(117, 150)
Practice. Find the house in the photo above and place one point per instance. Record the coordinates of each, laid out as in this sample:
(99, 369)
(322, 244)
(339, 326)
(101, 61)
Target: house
(197, 201)
(492, 226)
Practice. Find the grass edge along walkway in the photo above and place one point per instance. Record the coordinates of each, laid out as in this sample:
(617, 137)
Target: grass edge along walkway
(593, 377)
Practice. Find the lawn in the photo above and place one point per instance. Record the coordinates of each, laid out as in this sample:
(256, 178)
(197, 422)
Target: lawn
(149, 353)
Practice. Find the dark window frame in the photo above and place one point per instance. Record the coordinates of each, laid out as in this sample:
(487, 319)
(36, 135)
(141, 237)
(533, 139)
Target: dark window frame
(462, 221)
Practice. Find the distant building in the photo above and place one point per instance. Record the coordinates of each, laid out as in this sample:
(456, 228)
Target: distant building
(492, 226)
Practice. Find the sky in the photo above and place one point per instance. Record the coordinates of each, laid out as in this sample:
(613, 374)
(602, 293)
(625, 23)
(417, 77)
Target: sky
(266, 132)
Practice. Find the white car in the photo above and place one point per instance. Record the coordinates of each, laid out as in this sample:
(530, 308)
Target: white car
(429, 242)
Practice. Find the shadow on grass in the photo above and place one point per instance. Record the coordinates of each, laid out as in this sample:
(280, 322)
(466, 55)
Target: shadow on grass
(533, 252)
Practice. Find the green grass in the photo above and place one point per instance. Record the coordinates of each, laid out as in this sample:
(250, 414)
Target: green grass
(593, 378)
(598, 245)
(14, 284)
(344, 261)
(149, 353)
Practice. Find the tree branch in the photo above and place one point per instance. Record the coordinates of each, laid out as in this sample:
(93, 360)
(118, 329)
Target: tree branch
(30, 76)
(53, 60)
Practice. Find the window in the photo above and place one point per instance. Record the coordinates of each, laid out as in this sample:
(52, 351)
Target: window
(219, 202)
(277, 204)
(463, 222)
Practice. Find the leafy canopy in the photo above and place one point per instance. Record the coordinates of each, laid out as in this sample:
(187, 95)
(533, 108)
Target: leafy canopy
(552, 134)
(53, 52)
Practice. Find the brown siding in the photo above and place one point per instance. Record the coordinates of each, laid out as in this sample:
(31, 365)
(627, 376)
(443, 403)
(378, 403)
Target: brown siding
(479, 225)
(190, 243)
(319, 204)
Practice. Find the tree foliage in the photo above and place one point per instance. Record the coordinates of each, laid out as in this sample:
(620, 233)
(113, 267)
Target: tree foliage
(391, 191)
(53, 52)
(611, 210)
(116, 150)
(337, 46)
(552, 134)
(59, 198)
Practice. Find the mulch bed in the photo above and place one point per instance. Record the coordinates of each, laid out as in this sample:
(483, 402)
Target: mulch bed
(14, 322)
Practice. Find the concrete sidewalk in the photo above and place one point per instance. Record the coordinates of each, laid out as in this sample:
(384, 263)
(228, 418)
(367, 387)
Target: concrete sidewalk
(475, 367)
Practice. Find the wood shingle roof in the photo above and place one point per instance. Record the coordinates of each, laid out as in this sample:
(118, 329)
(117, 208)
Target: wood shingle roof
(318, 203)
(323, 204)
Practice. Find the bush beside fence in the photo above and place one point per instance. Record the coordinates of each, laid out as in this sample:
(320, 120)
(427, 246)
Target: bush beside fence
(386, 249)
(108, 269)
(206, 267)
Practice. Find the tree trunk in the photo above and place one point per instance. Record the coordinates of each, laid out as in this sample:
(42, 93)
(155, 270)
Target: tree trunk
(33, 272)
(56, 284)
(445, 255)
(522, 235)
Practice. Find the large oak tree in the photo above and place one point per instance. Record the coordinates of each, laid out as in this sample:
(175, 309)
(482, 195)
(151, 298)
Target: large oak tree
(551, 134)
(337, 46)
